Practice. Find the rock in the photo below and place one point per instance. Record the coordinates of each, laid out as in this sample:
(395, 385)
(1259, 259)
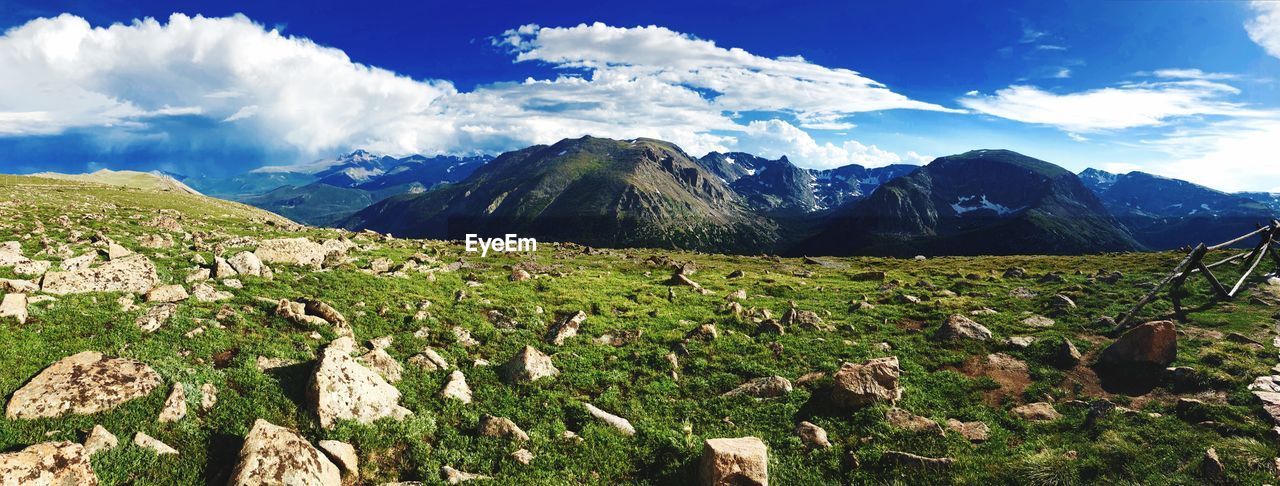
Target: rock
(198, 275)
(960, 327)
(813, 436)
(1211, 469)
(454, 476)
(18, 286)
(100, 440)
(869, 276)
(905, 420)
(167, 293)
(134, 274)
(457, 388)
(501, 427)
(155, 241)
(206, 293)
(1039, 411)
(463, 337)
(566, 328)
(208, 397)
(1022, 293)
(15, 306)
(681, 279)
(1020, 342)
(175, 407)
(141, 439)
(116, 252)
(1038, 321)
(155, 317)
(342, 453)
(1015, 272)
(734, 462)
(1067, 355)
(1152, 344)
(520, 275)
(858, 385)
(342, 389)
(913, 462)
(233, 283)
(294, 251)
(324, 311)
(265, 364)
(82, 384)
(803, 318)
(1062, 302)
(974, 431)
(276, 455)
(429, 360)
(48, 464)
(245, 263)
(222, 268)
(383, 363)
(529, 365)
(764, 387)
(736, 274)
(770, 326)
(614, 421)
(522, 456)
(32, 267)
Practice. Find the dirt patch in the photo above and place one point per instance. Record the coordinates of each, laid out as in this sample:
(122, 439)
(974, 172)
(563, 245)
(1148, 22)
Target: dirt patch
(910, 325)
(1010, 373)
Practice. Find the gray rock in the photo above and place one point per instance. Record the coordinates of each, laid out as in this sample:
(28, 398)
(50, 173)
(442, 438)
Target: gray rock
(82, 384)
(276, 455)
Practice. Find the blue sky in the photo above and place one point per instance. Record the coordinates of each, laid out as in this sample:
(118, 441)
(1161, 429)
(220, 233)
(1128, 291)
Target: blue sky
(1184, 89)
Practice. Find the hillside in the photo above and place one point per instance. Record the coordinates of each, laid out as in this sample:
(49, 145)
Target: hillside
(979, 202)
(126, 178)
(666, 359)
(592, 191)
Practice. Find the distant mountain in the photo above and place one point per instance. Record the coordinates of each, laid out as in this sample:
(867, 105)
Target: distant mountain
(979, 202)
(780, 188)
(1165, 213)
(593, 191)
(128, 178)
(315, 204)
(1269, 199)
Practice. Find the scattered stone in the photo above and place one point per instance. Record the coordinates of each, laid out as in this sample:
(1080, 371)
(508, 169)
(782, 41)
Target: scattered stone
(156, 316)
(1039, 411)
(429, 360)
(141, 439)
(680, 279)
(858, 385)
(116, 252)
(501, 427)
(51, 463)
(276, 455)
(614, 421)
(245, 263)
(520, 275)
(18, 286)
(1211, 469)
(869, 276)
(764, 387)
(463, 337)
(100, 440)
(736, 274)
(770, 326)
(82, 384)
(167, 293)
(342, 453)
(566, 328)
(813, 436)
(294, 251)
(342, 389)
(960, 327)
(264, 363)
(1020, 342)
(1153, 343)
(523, 456)
(32, 267)
(905, 420)
(208, 397)
(15, 306)
(803, 318)
(974, 431)
(383, 363)
(1038, 321)
(457, 388)
(1022, 293)
(222, 268)
(134, 274)
(733, 462)
(175, 407)
(1067, 355)
(233, 283)
(454, 476)
(198, 275)
(985, 311)
(206, 293)
(529, 365)
(1062, 302)
(914, 462)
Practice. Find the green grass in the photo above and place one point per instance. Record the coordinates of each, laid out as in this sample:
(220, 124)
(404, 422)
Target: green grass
(622, 291)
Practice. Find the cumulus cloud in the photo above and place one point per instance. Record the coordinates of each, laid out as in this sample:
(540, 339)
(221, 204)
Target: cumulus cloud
(1264, 28)
(234, 79)
(1230, 155)
(775, 138)
(1129, 105)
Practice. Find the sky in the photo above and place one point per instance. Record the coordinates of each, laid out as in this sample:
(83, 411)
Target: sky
(1182, 89)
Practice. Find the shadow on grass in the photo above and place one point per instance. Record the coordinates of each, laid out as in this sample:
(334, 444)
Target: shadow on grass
(293, 381)
(222, 454)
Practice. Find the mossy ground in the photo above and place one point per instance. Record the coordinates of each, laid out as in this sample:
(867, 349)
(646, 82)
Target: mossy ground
(623, 290)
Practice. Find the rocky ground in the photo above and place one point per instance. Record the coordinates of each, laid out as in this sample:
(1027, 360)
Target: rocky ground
(166, 338)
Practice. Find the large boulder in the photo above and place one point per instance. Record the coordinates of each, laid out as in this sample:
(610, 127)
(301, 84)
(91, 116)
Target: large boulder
(873, 381)
(734, 462)
(960, 327)
(276, 455)
(297, 251)
(133, 273)
(342, 389)
(1151, 344)
(245, 263)
(529, 365)
(48, 464)
(83, 383)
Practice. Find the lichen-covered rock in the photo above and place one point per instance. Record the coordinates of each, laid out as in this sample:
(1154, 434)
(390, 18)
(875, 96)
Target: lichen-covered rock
(734, 462)
(342, 389)
(83, 383)
(294, 251)
(1152, 344)
(566, 328)
(813, 436)
(99, 440)
(167, 293)
(141, 439)
(763, 387)
(175, 407)
(456, 388)
(1039, 411)
(623, 425)
(873, 381)
(14, 306)
(342, 453)
(156, 316)
(203, 292)
(48, 464)
(276, 455)
(960, 327)
(134, 274)
(246, 263)
(383, 363)
(501, 427)
(529, 365)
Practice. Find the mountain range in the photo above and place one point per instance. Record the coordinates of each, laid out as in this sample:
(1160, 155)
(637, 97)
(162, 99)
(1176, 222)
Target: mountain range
(650, 193)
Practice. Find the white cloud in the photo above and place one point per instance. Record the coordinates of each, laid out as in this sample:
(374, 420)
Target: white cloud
(289, 93)
(775, 138)
(1130, 105)
(1233, 155)
(1264, 29)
